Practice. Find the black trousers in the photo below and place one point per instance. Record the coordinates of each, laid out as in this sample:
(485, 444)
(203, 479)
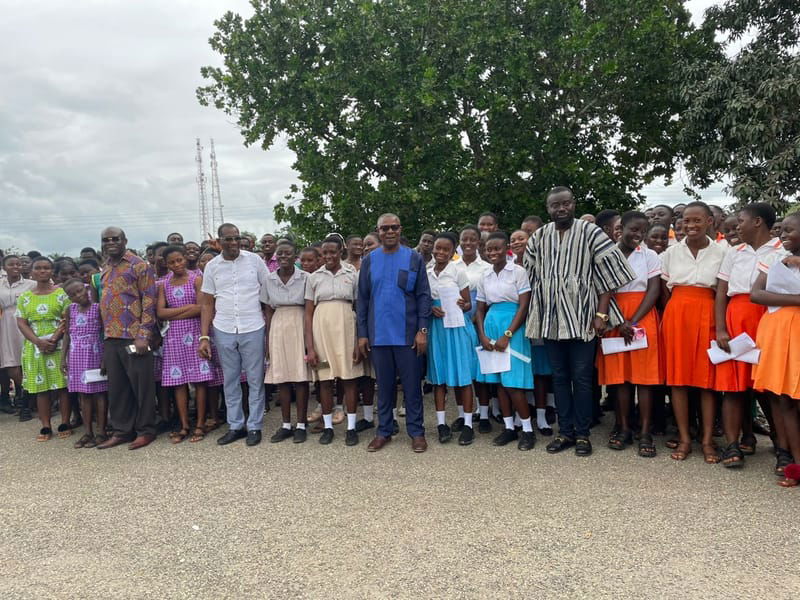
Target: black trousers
(131, 390)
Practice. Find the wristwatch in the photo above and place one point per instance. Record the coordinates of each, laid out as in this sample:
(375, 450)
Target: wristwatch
(508, 333)
(603, 316)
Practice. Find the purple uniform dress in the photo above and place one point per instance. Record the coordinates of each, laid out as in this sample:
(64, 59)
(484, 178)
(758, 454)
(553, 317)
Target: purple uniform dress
(85, 349)
(181, 361)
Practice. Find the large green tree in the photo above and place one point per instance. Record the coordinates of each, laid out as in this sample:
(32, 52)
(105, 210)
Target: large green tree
(743, 122)
(440, 109)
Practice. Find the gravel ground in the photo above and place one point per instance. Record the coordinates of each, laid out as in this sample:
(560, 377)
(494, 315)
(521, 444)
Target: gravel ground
(308, 521)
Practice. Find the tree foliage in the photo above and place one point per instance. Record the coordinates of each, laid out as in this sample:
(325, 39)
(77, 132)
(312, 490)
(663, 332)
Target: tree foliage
(743, 120)
(439, 109)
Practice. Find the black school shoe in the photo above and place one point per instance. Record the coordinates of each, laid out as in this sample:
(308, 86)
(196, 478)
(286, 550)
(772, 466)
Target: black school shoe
(583, 447)
(508, 436)
(457, 425)
(327, 436)
(445, 435)
(299, 436)
(484, 426)
(467, 436)
(350, 438)
(559, 444)
(280, 435)
(526, 441)
(363, 425)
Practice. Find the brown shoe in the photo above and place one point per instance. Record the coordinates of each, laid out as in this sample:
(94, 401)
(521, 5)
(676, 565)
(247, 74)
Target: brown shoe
(377, 443)
(114, 440)
(141, 442)
(418, 444)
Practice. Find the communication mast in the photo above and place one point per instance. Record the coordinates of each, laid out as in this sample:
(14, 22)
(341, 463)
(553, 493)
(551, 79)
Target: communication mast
(216, 200)
(201, 192)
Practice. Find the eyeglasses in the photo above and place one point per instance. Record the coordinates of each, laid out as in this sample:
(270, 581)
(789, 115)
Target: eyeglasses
(393, 227)
(113, 238)
(231, 238)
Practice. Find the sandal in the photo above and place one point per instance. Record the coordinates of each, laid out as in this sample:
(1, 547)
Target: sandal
(647, 449)
(211, 425)
(672, 443)
(198, 435)
(93, 441)
(64, 431)
(98, 439)
(683, 450)
(712, 457)
(81, 443)
(748, 445)
(783, 458)
(620, 440)
(733, 457)
(176, 437)
(787, 483)
(45, 433)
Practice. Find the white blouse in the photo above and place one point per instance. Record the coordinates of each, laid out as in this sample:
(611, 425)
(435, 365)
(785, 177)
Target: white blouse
(645, 264)
(505, 286)
(680, 267)
(453, 275)
(740, 265)
(475, 271)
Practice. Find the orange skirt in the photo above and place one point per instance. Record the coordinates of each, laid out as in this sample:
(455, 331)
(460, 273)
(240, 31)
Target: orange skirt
(742, 316)
(778, 369)
(640, 367)
(688, 329)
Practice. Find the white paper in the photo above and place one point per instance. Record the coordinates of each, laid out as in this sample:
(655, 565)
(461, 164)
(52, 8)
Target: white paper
(93, 376)
(751, 357)
(741, 345)
(453, 315)
(493, 362)
(614, 345)
(782, 280)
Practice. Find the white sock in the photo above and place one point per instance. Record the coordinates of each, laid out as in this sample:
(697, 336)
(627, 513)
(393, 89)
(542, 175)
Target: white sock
(440, 417)
(468, 420)
(526, 425)
(286, 425)
(541, 421)
(517, 421)
(460, 412)
(495, 406)
(551, 400)
(301, 426)
(483, 411)
(394, 414)
(351, 420)
(369, 415)
(508, 422)
(327, 420)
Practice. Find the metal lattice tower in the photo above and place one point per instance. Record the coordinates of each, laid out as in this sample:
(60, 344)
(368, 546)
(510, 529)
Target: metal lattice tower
(205, 229)
(216, 200)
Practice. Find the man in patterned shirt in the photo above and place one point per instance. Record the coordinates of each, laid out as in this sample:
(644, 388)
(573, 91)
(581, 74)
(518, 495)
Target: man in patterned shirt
(128, 309)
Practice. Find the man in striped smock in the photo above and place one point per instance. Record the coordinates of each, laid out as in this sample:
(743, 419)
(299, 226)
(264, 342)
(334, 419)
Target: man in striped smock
(573, 269)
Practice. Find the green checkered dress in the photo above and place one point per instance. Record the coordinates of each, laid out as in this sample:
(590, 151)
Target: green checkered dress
(42, 372)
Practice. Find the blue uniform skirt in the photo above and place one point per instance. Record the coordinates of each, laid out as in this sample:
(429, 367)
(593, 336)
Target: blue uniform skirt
(451, 353)
(497, 321)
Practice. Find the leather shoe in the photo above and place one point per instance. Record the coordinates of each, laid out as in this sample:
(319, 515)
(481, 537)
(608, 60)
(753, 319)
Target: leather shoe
(559, 444)
(114, 440)
(141, 441)
(377, 443)
(253, 438)
(418, 444)
(232, 436)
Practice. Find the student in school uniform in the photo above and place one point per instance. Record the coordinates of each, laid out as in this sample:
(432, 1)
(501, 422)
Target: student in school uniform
(735, 314)
(689, 271)
(504, 294)
(641, 368)
(451, 350)
(330, 326)
(778, 369)
(284, 296)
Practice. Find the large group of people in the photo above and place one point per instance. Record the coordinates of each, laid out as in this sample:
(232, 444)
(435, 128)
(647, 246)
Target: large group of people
(520, 329)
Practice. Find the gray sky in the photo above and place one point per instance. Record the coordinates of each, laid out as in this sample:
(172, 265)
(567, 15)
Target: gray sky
(98, 120)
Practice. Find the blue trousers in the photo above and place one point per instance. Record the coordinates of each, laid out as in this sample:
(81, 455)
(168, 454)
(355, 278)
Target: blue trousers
(389, 362)
(242, 352)
(572, 362)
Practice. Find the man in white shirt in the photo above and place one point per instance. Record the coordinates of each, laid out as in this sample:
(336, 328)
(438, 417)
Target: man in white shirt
(231, 292)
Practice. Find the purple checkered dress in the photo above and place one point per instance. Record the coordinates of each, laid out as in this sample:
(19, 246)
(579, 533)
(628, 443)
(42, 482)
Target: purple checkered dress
(181, 362)
(85, 349)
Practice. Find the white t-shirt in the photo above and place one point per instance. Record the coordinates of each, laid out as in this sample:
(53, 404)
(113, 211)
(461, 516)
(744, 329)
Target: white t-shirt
(680, 267)
(645, 264)
(505, 286)
(740, 265)
(237, 287)
(454, 275)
